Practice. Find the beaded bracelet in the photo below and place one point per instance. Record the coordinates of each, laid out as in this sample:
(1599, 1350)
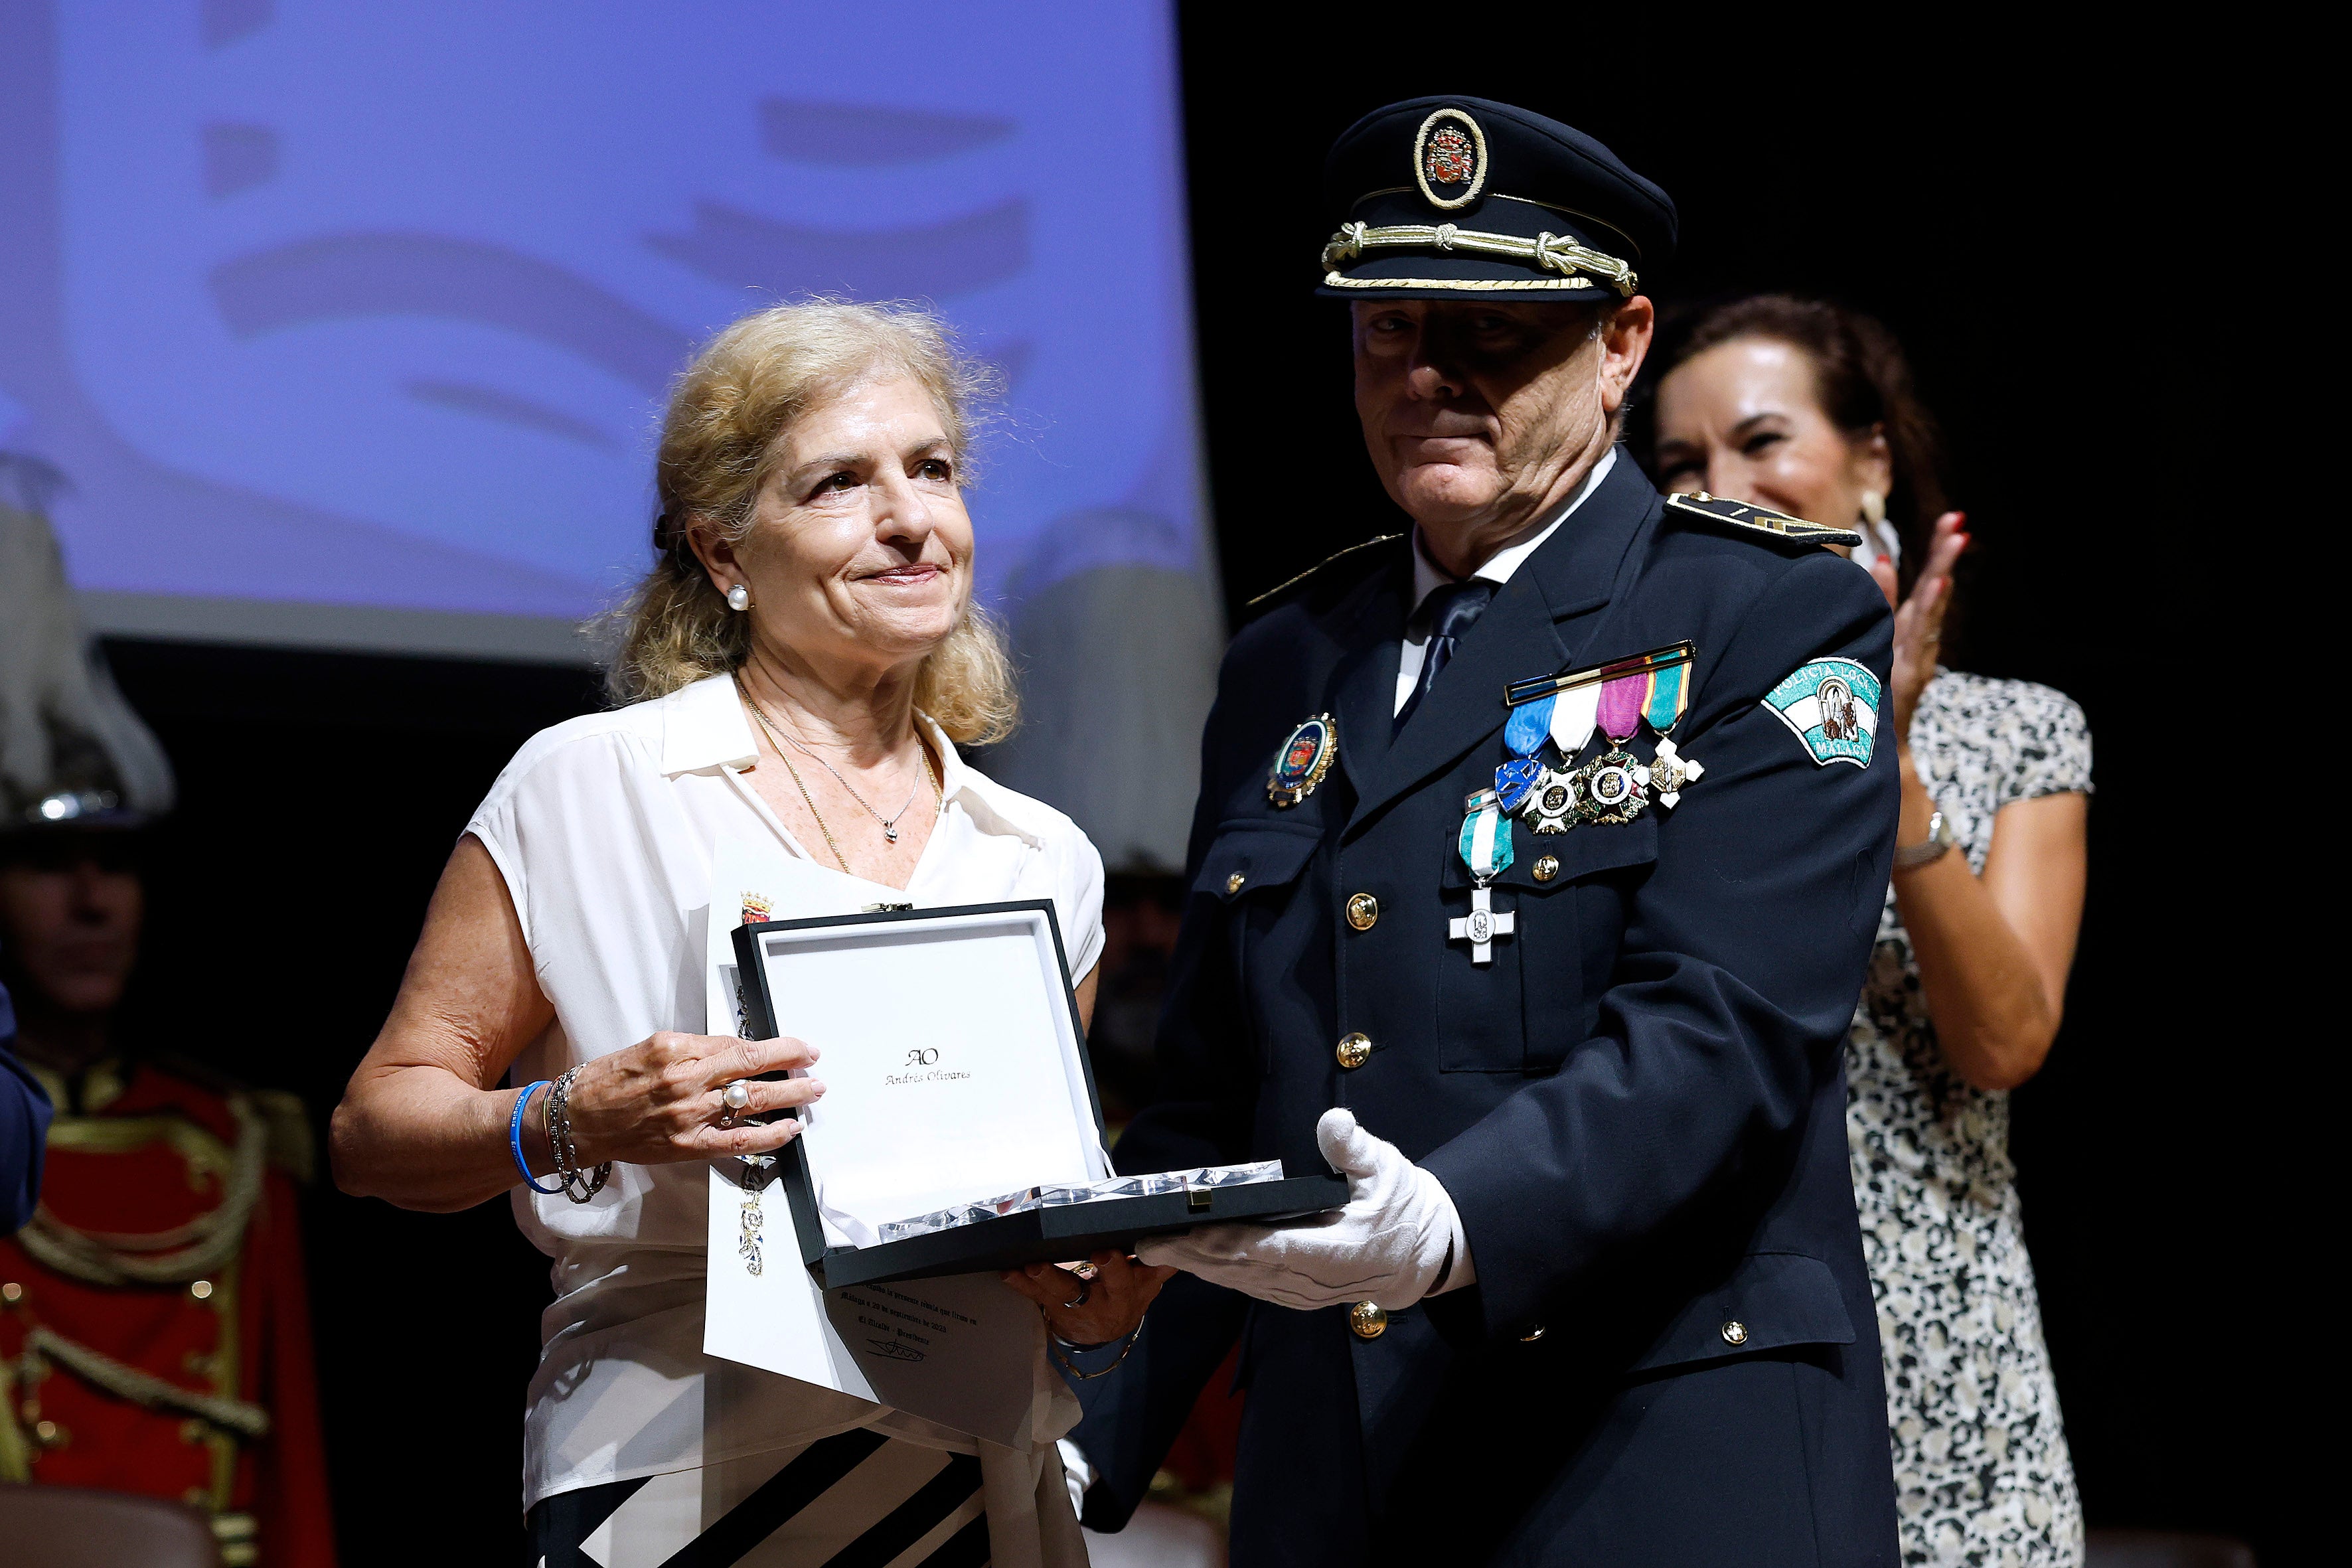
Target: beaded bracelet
(578, 1185)
(514, 1140)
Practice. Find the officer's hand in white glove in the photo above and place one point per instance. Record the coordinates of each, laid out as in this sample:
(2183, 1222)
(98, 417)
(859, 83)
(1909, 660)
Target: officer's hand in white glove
(1389, 1246)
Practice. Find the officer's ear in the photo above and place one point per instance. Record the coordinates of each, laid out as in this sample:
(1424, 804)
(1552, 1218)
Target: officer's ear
(1625, 332)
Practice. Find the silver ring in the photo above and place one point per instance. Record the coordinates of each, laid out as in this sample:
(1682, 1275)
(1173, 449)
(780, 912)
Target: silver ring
(1085, 1292)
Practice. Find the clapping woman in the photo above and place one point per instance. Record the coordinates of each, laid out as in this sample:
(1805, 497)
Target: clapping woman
(1808, 408)
(799, 667)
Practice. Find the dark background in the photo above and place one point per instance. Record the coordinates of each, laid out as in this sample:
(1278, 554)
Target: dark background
(2016, 219)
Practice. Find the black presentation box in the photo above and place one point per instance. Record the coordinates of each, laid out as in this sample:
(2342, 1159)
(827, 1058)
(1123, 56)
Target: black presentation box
(1058, 1234)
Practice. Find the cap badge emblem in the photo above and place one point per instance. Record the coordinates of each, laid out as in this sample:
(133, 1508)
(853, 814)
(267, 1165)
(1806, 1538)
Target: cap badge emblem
(1449, 159)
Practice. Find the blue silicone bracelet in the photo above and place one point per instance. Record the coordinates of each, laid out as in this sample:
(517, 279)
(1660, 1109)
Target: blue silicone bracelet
(514, 1137)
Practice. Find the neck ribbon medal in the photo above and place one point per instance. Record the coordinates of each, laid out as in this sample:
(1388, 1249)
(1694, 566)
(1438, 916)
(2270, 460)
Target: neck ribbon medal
(1485, 848)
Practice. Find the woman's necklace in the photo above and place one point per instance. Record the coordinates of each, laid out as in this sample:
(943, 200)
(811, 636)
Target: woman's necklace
(889, 824)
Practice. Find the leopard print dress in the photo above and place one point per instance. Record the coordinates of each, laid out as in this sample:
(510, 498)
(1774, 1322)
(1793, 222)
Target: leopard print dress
(1982, 1471)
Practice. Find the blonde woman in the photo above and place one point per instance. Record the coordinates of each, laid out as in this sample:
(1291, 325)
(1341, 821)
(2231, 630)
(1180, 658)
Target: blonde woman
(799, 665)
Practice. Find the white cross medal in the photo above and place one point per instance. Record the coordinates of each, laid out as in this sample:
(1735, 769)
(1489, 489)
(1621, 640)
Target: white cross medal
(1666, 696)
(1670, 771)
(1486, 846)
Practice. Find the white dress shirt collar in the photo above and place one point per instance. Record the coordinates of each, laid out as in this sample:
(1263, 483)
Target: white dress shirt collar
(1497, 568)
(1427, 578)
(707, 726)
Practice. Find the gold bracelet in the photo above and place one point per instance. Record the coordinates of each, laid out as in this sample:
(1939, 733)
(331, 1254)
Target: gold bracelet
(1055, 1342)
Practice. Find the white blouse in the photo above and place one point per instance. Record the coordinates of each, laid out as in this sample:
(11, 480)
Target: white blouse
(603, 828)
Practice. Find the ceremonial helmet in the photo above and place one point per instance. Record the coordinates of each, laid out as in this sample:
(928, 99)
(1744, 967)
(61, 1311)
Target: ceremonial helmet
(72, 752)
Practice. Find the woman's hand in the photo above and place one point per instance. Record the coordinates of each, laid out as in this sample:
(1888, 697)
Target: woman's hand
(1091, 1310)
(660, 1102)
(1920, 619)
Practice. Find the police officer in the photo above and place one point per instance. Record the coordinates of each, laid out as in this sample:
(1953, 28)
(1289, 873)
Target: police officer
(1537, 862)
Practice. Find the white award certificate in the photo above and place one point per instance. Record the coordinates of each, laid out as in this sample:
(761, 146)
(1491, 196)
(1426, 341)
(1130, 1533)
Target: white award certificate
(961, 1351)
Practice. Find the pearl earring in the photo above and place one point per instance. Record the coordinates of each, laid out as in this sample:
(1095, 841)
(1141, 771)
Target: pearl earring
(738, 598)
(1874, 509)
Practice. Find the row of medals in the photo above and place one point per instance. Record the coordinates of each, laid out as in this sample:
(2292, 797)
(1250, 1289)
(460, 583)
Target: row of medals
(1613, 788)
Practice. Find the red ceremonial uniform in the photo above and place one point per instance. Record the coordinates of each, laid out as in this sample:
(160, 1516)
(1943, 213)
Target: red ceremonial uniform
(153, 1343)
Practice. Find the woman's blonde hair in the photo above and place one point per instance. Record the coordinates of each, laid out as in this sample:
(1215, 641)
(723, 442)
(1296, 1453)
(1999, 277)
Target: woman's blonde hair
(718, 446)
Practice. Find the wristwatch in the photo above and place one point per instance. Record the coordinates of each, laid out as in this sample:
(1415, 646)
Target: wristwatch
(1929, 850)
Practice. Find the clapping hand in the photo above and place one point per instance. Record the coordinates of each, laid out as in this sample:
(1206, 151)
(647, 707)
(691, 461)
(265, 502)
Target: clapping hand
(1920, 619)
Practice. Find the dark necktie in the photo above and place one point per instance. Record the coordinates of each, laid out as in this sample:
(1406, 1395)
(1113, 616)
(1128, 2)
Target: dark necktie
(1453, 610)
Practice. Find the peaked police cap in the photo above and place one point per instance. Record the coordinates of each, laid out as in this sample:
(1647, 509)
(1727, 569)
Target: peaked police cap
(1441, 198)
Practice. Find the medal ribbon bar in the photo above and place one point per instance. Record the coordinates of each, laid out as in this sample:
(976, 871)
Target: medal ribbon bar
(1657, 659)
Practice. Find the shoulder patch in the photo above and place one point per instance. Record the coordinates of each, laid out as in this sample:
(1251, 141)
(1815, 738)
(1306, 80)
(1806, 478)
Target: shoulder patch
(1748, 516)
(1832, 706)
(1281, 588)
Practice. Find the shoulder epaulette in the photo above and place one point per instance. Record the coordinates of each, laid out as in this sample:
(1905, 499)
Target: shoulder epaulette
(1281, 588)
(1755, 519)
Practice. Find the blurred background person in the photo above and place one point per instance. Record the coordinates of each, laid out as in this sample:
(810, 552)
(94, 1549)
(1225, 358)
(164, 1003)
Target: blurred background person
(798, 667)
(23, 1124)
(153, 1317)
(1808, 407)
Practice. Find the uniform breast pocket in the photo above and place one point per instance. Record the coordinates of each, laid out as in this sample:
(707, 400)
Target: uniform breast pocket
(1252, 871)
(1566, 893)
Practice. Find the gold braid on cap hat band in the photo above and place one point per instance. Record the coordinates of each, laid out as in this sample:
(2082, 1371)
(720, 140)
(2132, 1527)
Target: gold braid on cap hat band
(1555, 251)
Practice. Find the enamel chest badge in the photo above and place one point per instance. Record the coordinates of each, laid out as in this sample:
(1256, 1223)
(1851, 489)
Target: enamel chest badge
(1303, 761)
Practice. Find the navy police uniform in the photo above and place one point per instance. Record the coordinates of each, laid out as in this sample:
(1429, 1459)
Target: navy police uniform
(1669, 1355)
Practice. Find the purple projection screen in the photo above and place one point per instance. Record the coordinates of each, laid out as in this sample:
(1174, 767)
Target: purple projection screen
(349, 325)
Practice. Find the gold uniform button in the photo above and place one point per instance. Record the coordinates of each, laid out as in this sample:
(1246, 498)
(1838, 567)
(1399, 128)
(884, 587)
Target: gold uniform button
(1532, 1335)
(202, 1290)
(1735, 1333)
(1234, 883)
(1547, 869)
(11, 1293)
(1367, 1320)
(1362, 911)
(1354, 1050)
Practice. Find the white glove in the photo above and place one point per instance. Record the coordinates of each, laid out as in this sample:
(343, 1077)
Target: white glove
(1387, 1246)
(1077, 1474)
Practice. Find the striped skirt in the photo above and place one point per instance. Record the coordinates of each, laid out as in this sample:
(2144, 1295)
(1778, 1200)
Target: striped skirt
(857, 1500)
